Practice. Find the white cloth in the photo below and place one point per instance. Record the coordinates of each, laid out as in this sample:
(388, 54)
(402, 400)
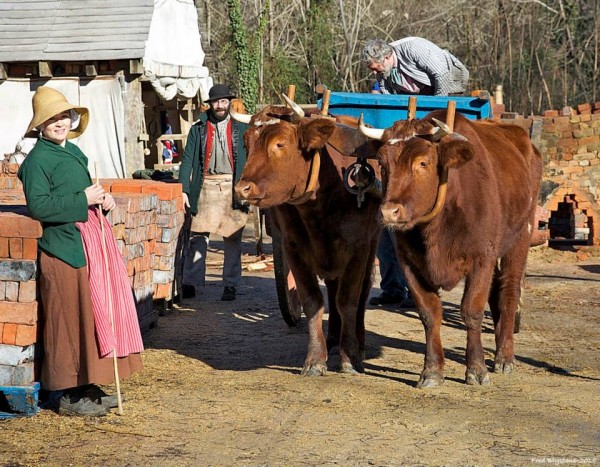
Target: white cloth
(173, 59)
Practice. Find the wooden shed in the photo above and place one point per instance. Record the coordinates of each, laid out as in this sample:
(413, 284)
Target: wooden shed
(111, 56)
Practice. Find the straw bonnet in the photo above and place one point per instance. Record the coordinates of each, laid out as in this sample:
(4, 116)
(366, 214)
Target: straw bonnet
(48, 102)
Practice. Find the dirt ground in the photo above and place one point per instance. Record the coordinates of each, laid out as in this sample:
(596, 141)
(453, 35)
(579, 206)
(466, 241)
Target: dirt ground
(222, 386)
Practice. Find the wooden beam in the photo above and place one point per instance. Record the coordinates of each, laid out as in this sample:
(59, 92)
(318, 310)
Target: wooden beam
(3, 74)
(136, 67)
(90, 70)
(45, 69)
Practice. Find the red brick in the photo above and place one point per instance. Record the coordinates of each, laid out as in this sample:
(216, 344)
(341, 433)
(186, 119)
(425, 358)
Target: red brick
(9, 333)
(584, 107)
(164, 191)
(4, 247)
(27, 291)
(162, 291)
(12, 291)
(164, 249)
(18, 313)
(551, 113)
(26, 335)
(17, 225)
(1, 330)
(126, 186)
(30, 246)
(2, 296)
(15, 246)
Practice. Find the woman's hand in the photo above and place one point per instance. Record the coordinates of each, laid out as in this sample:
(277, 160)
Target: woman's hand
(95, 194)
(186, 201)
(109, 202)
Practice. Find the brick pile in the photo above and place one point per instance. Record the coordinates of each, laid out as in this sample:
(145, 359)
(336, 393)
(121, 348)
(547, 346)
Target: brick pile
(167, 262)
(18, 294)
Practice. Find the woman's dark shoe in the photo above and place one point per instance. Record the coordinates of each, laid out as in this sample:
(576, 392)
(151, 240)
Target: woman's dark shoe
(98, 396)
(71, 405)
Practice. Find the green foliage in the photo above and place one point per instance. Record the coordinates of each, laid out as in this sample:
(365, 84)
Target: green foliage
(246, 51)
(320, 44)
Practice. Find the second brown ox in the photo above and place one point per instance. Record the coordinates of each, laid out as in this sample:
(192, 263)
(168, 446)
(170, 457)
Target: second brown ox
(475, 227)
(294, 169)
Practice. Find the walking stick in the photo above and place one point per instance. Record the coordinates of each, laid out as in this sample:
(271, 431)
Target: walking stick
(110, 306)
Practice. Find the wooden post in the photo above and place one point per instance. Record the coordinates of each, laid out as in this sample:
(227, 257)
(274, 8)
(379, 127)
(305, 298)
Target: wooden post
(450, 112)
(291, 92)
(412, 107)
(325, 106)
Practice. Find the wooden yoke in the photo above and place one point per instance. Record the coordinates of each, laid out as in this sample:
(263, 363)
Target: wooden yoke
(443, 184)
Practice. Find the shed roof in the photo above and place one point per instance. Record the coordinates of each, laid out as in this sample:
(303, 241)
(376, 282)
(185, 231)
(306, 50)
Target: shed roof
(73, 30)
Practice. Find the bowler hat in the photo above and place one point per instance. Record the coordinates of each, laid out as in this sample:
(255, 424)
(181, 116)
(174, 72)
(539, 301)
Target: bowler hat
(48, 102)
(219, 91)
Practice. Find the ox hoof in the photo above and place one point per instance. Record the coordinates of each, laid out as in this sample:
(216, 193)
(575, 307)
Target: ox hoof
(504, 367)
(318, 369)
(430, 382)
(477, 379)
(348, 368)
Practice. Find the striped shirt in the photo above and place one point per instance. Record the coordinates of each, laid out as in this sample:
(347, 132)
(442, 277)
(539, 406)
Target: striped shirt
(434, 70)
(126, 338)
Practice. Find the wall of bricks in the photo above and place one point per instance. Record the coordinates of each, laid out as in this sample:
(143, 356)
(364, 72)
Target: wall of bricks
(18, 294)
(570, 144)
(569, 141)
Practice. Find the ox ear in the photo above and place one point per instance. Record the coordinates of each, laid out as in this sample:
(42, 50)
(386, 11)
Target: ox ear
(314, 133)
(455, 153)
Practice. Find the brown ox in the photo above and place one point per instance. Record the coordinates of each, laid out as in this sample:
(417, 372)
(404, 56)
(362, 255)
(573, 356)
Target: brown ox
(293, 169)
(479, 229)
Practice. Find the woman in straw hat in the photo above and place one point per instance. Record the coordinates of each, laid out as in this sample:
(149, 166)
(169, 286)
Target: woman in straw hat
(76, 325)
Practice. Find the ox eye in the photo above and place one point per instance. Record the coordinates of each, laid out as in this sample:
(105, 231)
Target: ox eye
(423, 164)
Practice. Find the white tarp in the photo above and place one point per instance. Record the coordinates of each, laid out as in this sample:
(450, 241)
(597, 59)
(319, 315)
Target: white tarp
(173, 59)
(102, 142)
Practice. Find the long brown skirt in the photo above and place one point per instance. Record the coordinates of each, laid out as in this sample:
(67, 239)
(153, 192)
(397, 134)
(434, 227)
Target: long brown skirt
(71, 355)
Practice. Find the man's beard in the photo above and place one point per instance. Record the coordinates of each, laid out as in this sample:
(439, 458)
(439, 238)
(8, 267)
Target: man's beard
(215, 118)
(386, 72)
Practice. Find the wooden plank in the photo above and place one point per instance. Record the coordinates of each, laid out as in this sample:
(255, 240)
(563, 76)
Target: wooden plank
(18, 33)
(94, 39)
(3, 74)
(136, 67)
(45, 69)
(90, 70)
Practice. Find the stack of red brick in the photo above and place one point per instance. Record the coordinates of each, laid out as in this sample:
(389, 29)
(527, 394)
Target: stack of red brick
(164, 235)
(571, 144)
(18, 295)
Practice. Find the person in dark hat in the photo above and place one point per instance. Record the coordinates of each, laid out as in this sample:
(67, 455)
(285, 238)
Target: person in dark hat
(212, 163)
(77, 334)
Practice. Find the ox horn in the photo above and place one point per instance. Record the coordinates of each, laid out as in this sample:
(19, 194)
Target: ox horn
(443, 129)
(238, 117)
(295, 107)
(373, 133)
